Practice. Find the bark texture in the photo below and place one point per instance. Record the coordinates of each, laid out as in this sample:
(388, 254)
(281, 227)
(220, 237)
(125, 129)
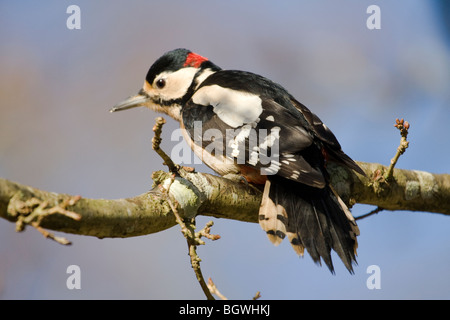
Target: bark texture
(204, 194)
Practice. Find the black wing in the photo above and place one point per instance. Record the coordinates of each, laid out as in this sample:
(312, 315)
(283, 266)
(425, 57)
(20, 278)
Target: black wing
(257, 123)
(327, 137)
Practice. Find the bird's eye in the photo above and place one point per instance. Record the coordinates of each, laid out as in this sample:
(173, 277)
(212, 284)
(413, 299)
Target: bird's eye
(161, 83)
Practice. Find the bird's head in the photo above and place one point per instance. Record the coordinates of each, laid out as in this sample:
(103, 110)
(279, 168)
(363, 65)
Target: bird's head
(170, 82)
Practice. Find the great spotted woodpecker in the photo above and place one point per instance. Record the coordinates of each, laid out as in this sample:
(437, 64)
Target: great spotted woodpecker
(240, 123)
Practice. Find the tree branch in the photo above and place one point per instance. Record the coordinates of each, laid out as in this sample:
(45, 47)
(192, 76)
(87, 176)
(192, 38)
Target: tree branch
(218, 197)
(409, 190)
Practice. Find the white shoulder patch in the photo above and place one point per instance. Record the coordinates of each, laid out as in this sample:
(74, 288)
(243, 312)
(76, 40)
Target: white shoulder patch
(235, 108)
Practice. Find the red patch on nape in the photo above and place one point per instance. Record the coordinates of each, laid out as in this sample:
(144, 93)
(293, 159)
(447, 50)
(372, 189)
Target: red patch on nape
(194, 60)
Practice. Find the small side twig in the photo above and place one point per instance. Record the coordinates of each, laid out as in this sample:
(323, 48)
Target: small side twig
(33, 211)
(187, 225)
(403, 126)
(375, 211)
(193, 239)
(156, 141)
(257, 296)
(212, 287)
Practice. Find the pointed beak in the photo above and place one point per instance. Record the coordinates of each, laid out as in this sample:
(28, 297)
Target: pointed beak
(139, 100)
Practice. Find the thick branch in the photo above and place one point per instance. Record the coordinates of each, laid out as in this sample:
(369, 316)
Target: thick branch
(139, 215)
(204, 194)
(409, 190)
(143, 214)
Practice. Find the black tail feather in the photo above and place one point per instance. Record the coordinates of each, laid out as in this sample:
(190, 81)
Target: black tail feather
(316, 220)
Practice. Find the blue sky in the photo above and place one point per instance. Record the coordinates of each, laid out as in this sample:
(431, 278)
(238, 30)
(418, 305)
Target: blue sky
(57, 85)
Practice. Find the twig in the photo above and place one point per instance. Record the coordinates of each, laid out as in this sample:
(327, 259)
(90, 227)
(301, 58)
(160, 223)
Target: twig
(49, 235)
(187, 225)
(257, 296)
(156, 141)
(33, 211)
(212, 287)
(205, 232)
(193, 239)
(375, 211)
(403, 126)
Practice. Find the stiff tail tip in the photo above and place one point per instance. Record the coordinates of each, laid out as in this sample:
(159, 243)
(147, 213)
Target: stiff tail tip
(311, 218)
(273, 219)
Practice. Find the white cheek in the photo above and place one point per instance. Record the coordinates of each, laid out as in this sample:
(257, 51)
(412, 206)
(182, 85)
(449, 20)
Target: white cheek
(178, 83)
(235, 108)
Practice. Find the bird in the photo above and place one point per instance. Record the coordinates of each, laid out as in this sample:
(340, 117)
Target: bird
(241, 124)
